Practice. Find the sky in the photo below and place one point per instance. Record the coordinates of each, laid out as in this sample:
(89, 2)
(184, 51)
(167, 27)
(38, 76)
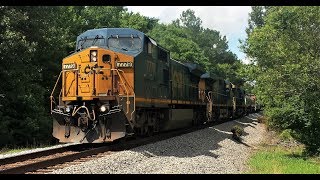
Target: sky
(231, 21)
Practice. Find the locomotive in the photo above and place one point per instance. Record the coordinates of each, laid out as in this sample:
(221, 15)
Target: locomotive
(120, 82)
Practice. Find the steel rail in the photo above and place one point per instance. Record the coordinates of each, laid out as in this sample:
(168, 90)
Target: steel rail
(124, 144)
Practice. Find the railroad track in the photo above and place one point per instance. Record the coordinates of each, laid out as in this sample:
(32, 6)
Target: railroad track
(50, 160)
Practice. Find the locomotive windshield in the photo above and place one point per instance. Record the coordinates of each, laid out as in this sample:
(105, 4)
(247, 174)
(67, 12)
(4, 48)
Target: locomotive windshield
(85, 42)
(125, 43)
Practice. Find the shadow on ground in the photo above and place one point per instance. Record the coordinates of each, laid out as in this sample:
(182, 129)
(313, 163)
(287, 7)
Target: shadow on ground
(203, 142)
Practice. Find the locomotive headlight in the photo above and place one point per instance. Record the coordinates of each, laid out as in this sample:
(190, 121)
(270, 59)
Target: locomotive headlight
(67, 109)
(103, 108)
(93, 55)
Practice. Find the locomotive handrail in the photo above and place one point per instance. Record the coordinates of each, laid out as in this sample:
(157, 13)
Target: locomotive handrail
(60, 96)
(217, 92)
(75, 79)
(128, 99)
(209, 97)
(134, 102)
(54, 88)
(125, 87)
(234, 103)
(88, 112)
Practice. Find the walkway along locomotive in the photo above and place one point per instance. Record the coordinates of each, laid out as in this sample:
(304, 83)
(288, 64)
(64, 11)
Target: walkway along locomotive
(120, 82)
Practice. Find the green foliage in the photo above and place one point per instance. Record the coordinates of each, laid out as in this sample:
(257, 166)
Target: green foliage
(188, 41)
(176, 40)
(137, 21)
(231, 72)
(11, 151)
(237, 131)
(256, 18)
(285, 52)
(286, 134)
(282, 161)
(101, 16)
(22, 113)
(190, 21)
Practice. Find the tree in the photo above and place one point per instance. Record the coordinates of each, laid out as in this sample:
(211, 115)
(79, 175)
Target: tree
(286, 53)
(22, 113)
(256, 18)
(102, 16)
(176, 40)
(187, 40)
(190, 21)
(137, 21)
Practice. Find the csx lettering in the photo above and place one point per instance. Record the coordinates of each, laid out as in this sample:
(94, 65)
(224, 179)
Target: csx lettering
(124, 64)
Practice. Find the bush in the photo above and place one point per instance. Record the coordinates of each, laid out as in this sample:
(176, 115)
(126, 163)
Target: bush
(286, 134)
(237, 131)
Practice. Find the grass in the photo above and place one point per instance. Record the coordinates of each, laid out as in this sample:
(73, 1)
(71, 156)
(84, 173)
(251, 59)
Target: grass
(10, 151)
(281, 160)
(6, 150)
(280, 154)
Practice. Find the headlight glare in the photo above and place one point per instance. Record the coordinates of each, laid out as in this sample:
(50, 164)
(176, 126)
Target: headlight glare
(67, 109)
(103, 108)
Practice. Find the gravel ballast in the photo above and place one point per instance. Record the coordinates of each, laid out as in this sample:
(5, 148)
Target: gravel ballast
(207, 151)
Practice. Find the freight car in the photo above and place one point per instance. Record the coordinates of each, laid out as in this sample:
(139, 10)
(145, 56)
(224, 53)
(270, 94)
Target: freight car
(120, 82)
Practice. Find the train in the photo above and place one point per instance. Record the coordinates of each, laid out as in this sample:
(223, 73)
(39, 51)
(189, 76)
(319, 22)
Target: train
(119, 82)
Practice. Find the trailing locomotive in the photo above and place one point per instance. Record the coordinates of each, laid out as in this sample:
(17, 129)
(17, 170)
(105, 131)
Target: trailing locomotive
(120, 82)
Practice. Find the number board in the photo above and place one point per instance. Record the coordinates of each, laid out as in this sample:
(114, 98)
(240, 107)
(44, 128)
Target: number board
(124, 64)
(69, 66)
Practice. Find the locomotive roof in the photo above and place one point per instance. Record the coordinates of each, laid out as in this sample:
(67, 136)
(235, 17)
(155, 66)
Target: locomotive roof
(108, 32)
(112, 32)
(210, 75)
(195, 68)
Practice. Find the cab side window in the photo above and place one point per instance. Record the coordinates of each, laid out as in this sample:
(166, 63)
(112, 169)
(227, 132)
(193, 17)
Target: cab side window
(163, 55)
(154, 51)
(149, 47)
